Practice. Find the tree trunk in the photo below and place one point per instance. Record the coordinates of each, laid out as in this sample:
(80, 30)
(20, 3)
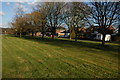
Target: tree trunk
(52, 36)
(103, 39)
(20, 34)
(70, 34)
(43, 32)
(43, 35)
(119, 30)
(16, 33)
(70, 37)
(53, 32)
(76, 37)
(35, 33)
(32, 34)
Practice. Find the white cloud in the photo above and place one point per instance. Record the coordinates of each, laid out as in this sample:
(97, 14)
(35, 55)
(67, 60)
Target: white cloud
(21, 7)
(4, 25)
(22, 1)
(18, 4)
(8, 3)
(24, 9)
(32, 3)
(2, 13)
(1, 25)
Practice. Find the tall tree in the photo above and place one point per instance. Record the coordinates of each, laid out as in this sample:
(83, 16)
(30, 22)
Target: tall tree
(33, 22)
(105, 14)
(75, 16)
(53, 10)
(18, 22)
(19, 25)
(43, 10)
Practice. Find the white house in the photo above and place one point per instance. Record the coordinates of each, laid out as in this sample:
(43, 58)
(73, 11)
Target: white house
(93, 32)
(99, 36)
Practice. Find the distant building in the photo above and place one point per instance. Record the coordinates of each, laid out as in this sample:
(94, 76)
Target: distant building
(6, 31)
(60, 31)
(93, 33)
(82, 29)
(99, 36)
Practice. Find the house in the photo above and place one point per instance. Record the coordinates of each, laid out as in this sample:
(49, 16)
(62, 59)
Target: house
(66, 33)
(93, 33)
(81, 32)
(36, 34)
(99, 36)
(82, 29)
(6, 31)
(60, 31)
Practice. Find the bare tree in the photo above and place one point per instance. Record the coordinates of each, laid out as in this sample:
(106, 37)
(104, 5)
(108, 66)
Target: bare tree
(52, 12)
(75, 15)
(42, 8)
(105, 14)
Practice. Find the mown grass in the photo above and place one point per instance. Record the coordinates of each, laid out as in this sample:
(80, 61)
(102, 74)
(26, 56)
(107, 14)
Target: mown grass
(29, 57)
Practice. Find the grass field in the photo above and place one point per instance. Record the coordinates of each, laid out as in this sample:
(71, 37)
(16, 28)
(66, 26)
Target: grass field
(60, 58)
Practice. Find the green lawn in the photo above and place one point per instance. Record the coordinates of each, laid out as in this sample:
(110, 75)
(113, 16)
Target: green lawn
(60, 58)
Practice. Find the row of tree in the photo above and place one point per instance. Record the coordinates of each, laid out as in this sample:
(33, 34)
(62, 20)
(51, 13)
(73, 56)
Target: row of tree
(50, 15)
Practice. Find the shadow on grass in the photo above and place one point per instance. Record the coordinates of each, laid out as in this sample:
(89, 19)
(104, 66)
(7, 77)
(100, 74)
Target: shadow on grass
(78, 44)
(62, 42)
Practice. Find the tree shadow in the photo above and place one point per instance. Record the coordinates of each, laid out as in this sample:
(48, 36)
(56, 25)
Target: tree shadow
(78, 44)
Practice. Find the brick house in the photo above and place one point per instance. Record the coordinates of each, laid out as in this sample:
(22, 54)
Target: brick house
(60, 31)
(6, 31)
